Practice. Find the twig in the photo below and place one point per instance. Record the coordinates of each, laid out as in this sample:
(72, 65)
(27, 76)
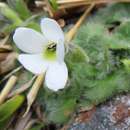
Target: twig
(10, 84)
(33, 92)
(72, 32)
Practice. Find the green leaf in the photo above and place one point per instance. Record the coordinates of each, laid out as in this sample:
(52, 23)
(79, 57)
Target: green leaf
(14, 20)
(8, 108)
(54, 4)
(123, 30)
(34, 26)
(117, 42)
(61, 111)
(126, 63)
(20, 7)
(76, 54)
(37, 127)
(7, 12)
(101, 90)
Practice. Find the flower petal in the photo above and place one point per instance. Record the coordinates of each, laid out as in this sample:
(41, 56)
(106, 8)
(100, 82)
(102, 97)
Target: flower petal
(33, 63)
(28, 40)
(56, 76)
(51, 30)
(60, 51)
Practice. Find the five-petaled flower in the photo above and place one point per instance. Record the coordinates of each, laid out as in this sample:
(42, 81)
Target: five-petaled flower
(45, 52)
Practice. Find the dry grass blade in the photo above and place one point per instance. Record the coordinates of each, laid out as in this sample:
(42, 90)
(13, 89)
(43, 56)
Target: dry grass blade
(11, 73)
(106, 1)
(60, 2)
(30, 124)
(22, 88)
(70, 1)
(71, 5)
(49, 8)
(4, 41)
(9, 85)
(3, 55)
(40, 3)
(8, 63)
(39, 112)
(72, 32)
(22, 121)
(4, 48)
(33, 92)
(63, 4)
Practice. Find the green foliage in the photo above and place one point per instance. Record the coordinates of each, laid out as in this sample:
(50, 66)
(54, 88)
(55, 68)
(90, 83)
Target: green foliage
(37, 127)
(13, 19)
(112, 13)
(123, 30)
(7, 12)
(60, 112)
(107, 50)
(126, 63)
(20, 7)
(76, 55)
(104, 89)
(54, 4)
(8, 108)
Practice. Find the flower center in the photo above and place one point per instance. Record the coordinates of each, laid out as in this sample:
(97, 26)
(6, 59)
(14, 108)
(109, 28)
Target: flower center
(49, 51)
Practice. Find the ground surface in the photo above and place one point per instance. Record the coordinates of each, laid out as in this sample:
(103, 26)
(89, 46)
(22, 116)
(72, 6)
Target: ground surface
(113, 115)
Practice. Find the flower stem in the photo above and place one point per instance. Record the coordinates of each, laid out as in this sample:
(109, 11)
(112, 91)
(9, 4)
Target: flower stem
(9, 85)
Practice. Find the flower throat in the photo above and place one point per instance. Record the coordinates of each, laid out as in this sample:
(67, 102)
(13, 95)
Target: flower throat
(50, 51)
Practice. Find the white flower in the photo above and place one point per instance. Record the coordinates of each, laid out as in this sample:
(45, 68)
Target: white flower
(45, 52)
